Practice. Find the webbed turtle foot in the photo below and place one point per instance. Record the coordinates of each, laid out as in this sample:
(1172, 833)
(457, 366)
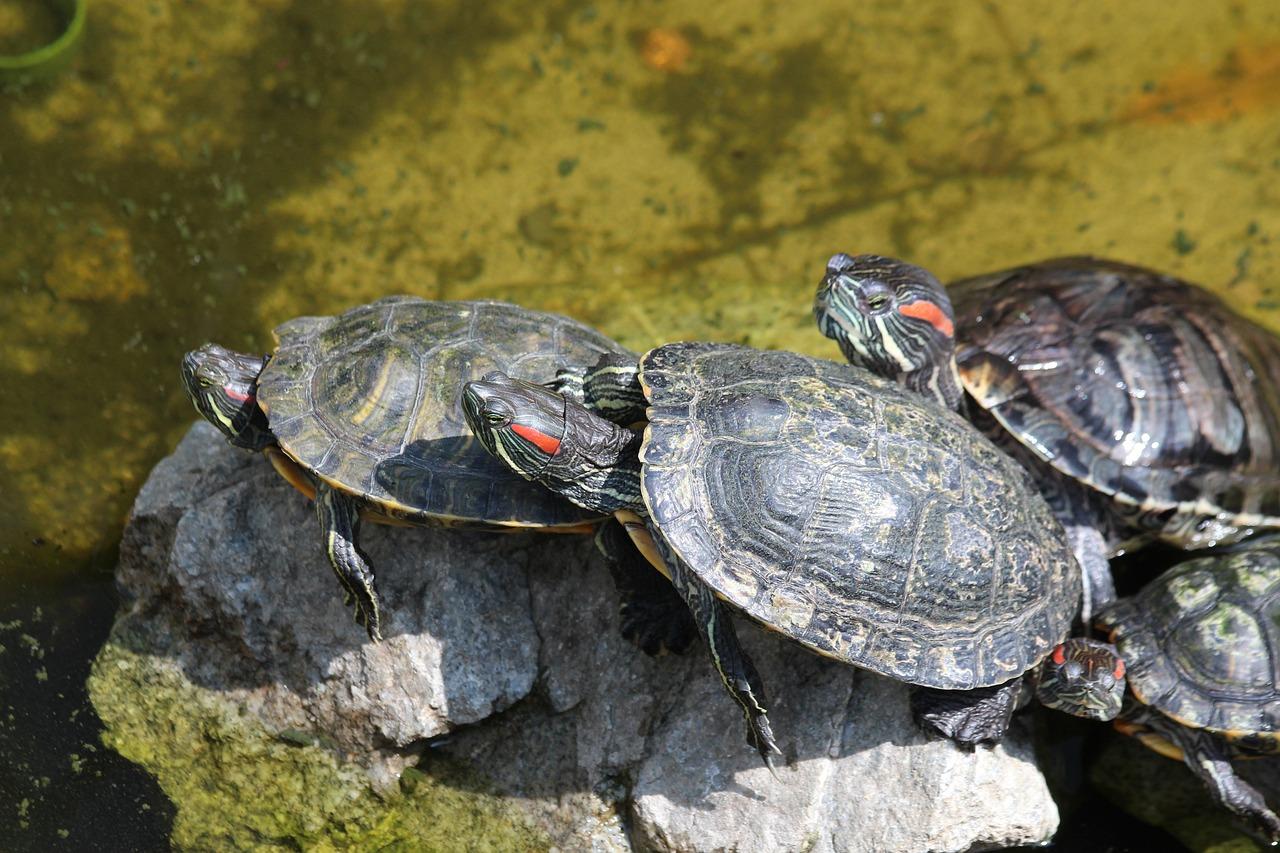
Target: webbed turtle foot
(967, 717)
(1265, 824)
(760, 736)
(370, 619)
(339, 517)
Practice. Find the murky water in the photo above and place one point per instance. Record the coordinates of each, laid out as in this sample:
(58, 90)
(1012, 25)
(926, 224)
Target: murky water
(206, 171)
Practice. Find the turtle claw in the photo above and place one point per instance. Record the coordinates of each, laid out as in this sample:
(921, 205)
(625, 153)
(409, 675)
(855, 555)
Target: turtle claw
(368, 617)
(760, 736)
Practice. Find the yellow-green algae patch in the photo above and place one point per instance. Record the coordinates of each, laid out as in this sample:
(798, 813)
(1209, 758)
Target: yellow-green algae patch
(236, 786)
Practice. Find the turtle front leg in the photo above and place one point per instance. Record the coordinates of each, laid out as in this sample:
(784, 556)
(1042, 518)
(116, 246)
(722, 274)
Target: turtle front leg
(737, 672)
(967, 717)
(1091, 534)
(1098, 589)
(1210, 760)
(339, 517)
(654, 617)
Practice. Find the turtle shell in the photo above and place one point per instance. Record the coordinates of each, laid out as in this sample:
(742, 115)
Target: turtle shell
(369, 402)
(852, 515)
(1139, 385)
(1201, 643)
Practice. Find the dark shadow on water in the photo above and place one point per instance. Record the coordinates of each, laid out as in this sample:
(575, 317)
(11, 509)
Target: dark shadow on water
(60, 787)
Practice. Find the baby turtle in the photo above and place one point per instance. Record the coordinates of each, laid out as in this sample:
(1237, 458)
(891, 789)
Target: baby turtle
(361, 413)
(827, 503)
(1140, 400)
(1200, 645)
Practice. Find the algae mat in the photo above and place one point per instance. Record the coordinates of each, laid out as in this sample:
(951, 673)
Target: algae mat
(205, 171)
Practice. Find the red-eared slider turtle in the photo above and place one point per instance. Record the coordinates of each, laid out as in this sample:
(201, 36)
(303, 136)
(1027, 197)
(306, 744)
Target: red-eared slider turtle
(361, 413)
(854, 517)
(1150, 403)
(1200, 645)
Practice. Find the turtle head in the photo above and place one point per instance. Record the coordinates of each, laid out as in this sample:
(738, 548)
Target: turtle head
(223, 386)
(544, 437)
(892, 318)
(1083, 677)
(520, 423)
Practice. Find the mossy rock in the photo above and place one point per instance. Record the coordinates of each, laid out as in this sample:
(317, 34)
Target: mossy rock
(238, 786)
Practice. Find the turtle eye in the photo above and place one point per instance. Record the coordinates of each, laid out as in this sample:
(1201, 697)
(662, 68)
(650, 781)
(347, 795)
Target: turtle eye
(878, 301)
(497, 413)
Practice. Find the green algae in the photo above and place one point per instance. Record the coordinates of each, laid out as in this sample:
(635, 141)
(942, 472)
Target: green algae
(239, 787)
(265, 160)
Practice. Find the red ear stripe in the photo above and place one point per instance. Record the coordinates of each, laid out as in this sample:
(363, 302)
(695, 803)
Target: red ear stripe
(1060, 655)
(544, 442)
(931, 314)
(237, 395)
(1118, 672)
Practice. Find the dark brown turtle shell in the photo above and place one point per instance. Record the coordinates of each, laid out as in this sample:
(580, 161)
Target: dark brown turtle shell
(852, 515)
(368, 401)
(1139, 385)
(1201, 644)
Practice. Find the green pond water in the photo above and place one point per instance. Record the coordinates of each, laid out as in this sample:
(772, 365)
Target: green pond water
(204, 171)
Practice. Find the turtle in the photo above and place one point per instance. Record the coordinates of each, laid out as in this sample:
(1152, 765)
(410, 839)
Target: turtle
(1198, 649)
(1146, 407)
(360, 413)
(824, 502)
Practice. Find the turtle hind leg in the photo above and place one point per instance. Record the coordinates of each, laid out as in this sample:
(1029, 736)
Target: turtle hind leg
(654, 617)
(967, 717)
(1210, 760)
(736, 670)
(339, 517)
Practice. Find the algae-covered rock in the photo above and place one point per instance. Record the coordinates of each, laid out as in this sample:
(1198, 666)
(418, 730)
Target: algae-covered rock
(225, 572)
(235, 676)
(238, 788)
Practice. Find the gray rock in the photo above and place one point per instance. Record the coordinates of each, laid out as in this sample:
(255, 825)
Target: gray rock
(511, 643)
(223, 568)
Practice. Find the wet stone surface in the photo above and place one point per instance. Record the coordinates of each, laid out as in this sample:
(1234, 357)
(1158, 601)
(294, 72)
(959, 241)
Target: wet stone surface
(502, 655)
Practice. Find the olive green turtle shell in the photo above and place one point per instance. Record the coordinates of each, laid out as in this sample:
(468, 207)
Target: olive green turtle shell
(852, 515)
(1201, 643)
(1139, 385)
(369, 402)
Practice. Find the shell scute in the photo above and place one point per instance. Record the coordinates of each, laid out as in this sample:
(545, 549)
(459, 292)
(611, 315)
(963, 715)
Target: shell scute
(1201, 643)
(855, 517)
(1143, 387)
(369, 400)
